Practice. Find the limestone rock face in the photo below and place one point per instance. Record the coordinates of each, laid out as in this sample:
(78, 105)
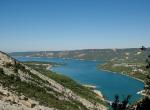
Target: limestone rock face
(10, 101)
(9, 106)
(4, 58)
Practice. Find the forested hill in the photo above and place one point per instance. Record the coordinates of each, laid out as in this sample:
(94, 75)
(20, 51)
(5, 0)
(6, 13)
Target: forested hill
(131, 54)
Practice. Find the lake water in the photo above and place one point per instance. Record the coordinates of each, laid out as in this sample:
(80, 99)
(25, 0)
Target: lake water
(86, 72)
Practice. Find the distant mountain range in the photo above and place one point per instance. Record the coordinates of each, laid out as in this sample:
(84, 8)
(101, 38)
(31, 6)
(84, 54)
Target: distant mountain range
(130, 54)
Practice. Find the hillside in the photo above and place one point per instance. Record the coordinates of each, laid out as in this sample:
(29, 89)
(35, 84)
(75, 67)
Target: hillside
(24, 88)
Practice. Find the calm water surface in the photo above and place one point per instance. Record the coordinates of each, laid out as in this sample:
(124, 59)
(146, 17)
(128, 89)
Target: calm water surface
(85, 72)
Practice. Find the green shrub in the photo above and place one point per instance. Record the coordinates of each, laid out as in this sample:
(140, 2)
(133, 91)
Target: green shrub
(7, 65)
(15, 70)
(1, 71)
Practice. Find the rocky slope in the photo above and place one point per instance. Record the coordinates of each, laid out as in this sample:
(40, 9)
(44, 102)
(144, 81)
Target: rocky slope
(23, 88)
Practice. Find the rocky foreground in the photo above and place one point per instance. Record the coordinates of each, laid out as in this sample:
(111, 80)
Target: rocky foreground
(23, 88)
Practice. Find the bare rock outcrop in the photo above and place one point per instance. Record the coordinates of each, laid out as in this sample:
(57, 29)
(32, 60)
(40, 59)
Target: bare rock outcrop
(10, 101)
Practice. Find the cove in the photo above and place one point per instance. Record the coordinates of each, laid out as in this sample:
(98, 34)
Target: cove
(86, 72)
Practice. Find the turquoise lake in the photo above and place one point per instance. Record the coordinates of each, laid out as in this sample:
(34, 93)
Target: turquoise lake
(86, 72)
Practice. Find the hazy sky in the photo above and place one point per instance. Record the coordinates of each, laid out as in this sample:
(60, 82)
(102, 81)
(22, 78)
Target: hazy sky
(27, 25)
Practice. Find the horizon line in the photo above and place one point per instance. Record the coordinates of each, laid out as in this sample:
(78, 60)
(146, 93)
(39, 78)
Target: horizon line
(72, 49)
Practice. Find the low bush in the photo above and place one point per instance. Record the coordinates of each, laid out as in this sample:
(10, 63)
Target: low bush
(1, 71)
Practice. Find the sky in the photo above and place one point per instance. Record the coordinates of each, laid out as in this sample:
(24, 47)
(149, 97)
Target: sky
(33, 25)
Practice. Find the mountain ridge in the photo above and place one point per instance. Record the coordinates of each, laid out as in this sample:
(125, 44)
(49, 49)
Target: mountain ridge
(128, 54)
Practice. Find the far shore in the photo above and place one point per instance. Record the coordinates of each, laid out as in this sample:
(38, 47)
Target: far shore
(123, 74)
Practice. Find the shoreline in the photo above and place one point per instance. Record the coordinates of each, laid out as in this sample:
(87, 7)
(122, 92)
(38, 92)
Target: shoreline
(94, 89)
(99, 94)
(89, 86)
(139, 92)
(49, 67)
(123, 74)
